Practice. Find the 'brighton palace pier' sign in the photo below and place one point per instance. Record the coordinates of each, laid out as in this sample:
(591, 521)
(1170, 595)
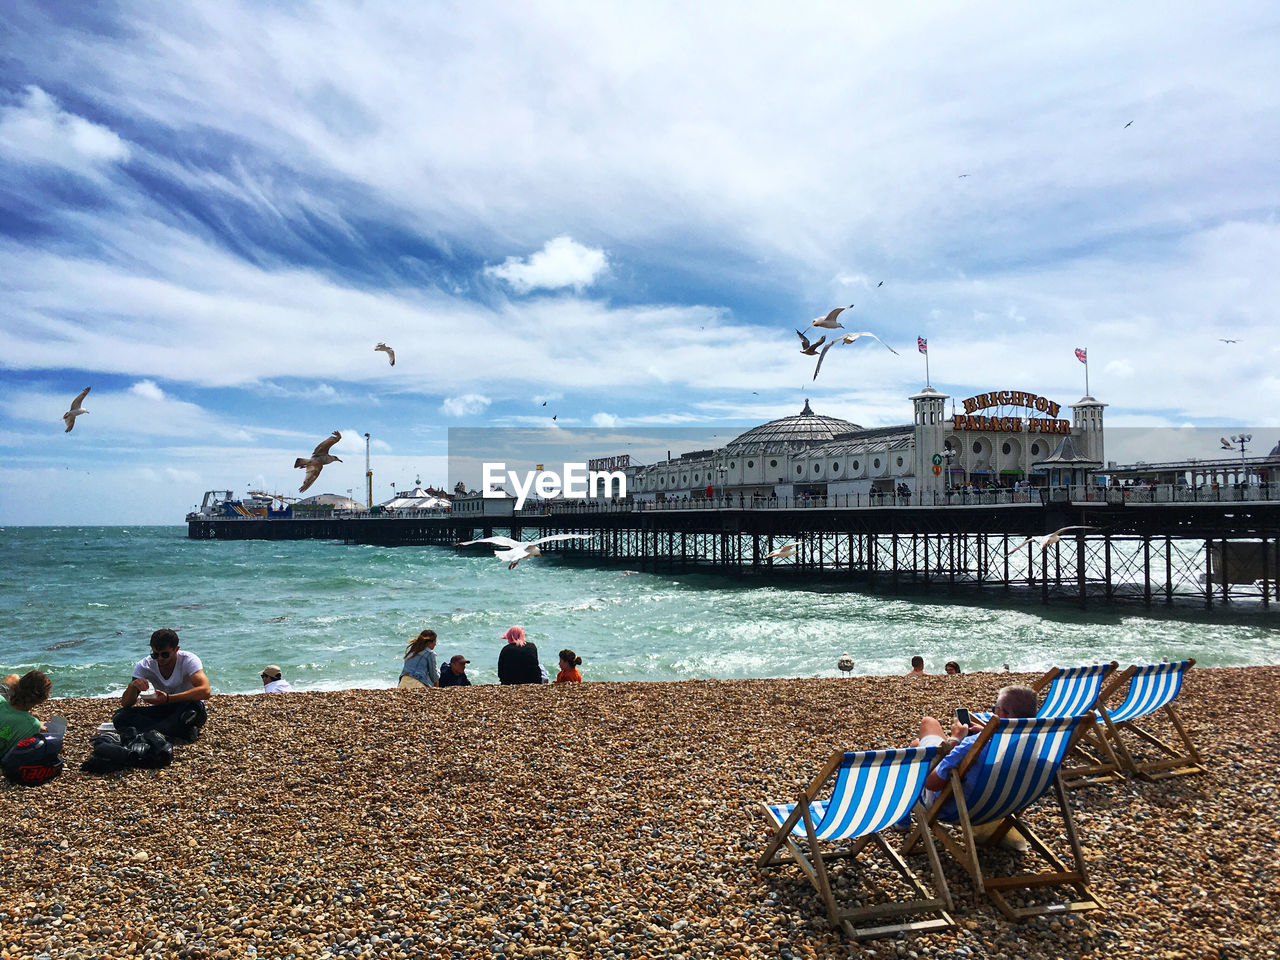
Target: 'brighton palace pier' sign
(1011, 398)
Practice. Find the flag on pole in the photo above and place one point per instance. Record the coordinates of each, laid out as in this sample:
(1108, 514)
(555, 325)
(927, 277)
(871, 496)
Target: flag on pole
(923, 345)
(393, 485)
(1082, 355)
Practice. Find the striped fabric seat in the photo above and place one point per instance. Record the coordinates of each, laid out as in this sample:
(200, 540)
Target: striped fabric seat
(873, 790)
(1150, 688)
(1072, 691)
(1018, 765)
(1011, 765)
(870, 790)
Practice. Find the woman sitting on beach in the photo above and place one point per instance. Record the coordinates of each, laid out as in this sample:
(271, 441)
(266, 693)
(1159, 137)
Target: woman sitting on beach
(518, 661)
(952, 668)
(420, 670)
(569, 663)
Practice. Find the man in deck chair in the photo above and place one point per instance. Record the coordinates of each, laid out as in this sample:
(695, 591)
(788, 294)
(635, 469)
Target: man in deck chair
(1010, 702)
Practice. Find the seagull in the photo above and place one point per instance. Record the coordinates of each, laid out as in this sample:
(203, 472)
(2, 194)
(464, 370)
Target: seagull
(1128, 125)
(544, 403)
(880, 284)
(1047, 540)
(850, 338)
(829, 321)
(845, 663)
(319, 457)
(962, 176)
(1226, 444)
(517, 550)
(554, 415)
(784, 552)
(70, 416)
(807, 348)
(391, 354)
(1224, 340)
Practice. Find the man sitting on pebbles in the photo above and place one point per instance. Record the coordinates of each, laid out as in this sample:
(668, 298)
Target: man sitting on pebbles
(180, 687)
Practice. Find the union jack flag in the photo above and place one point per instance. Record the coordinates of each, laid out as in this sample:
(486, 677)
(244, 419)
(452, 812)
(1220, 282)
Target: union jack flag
(922, 344)
(1082, 355)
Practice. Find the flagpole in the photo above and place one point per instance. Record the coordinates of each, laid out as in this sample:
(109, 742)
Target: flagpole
(927, 381)
(1086, 374)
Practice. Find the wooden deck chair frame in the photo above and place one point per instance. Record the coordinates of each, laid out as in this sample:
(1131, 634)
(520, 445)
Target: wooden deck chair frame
(1175, 761)
(965, 848)
(813, 862)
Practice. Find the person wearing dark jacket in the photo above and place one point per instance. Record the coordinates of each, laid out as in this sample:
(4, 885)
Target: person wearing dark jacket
(454, 673)
(518, 661)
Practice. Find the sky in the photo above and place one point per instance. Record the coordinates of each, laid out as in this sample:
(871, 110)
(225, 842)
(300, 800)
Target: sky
(210, 213)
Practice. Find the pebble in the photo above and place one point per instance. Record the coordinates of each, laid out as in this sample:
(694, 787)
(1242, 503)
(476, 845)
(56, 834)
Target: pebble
(610, 820)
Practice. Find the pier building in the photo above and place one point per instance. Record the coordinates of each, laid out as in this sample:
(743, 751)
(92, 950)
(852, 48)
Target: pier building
(1000, 439)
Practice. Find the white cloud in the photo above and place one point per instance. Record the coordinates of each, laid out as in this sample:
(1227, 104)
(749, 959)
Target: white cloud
(147, 389)
(38, 131)
(466, 405)
(604, 420)
(561, 263)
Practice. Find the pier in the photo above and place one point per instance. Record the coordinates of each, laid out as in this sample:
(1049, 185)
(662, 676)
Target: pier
(1150, 546)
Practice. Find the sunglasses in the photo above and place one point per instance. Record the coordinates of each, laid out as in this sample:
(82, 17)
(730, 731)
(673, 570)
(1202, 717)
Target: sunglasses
(162, 654)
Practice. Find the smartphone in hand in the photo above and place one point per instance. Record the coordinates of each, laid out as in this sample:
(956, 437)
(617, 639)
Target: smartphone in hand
(962, 714)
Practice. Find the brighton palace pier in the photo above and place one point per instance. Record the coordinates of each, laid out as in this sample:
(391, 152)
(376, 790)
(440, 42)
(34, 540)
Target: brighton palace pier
(944, 503)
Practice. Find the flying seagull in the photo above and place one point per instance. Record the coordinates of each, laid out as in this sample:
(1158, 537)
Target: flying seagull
(850, 338)
(807, 348)
(784, 552)
(517, 550)
(962, 176)
(1225, 340)
(1226, 444)
(70, 416)
(319, 457)
(1048, 540)
(829, 321)
(391, 354)
(880, 284)
(1128, 125)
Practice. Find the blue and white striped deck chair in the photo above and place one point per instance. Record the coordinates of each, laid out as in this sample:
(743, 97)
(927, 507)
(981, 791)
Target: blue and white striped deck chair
(1151, 688)
(1015, 762)
(872, 790)
(1072, 692)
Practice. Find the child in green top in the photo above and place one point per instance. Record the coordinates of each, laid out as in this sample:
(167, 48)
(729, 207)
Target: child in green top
(16, 720)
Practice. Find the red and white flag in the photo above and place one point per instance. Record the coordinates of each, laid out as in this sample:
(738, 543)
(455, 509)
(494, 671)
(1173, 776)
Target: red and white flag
(1082, 355)
(922, 344)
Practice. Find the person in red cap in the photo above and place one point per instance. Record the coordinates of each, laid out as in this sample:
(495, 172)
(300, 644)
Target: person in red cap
(518, 661)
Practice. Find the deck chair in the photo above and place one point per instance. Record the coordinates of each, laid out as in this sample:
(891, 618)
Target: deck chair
(873, 789)
(1151, 688)
(1072, 692)
(1018, 762)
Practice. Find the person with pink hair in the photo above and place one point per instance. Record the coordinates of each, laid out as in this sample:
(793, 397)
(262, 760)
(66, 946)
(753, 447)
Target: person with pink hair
(518, 661)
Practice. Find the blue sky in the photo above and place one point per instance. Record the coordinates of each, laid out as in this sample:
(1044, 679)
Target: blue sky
(211, 212)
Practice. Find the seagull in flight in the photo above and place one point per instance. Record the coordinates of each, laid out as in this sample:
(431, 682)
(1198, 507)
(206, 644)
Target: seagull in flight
(829, 321)
(880, 284)
(1226, 444)
(1128, 125)
(784, 552)
(70, 416)
(1048, 540)
(1225, 340)
(391, 354)
(807, 348)
(962, 176)
(517, 550)
(319, 457)
(850, 338)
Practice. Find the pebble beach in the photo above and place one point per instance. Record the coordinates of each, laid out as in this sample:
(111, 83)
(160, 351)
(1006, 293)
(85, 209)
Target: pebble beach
(594, 820)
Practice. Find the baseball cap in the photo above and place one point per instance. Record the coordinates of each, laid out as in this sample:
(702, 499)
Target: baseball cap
(456, 657)
(271, 672)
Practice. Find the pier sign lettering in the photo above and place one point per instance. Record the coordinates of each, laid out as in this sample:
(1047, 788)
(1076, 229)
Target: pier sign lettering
(1012, 398)
(972, 420)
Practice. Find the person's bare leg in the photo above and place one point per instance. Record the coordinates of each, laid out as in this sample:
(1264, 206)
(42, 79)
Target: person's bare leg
(929, 727)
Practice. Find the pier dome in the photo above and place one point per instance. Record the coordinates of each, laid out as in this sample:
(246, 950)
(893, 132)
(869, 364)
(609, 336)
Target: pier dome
(802, 430)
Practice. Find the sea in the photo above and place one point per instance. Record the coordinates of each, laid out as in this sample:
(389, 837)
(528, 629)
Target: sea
(80, 603)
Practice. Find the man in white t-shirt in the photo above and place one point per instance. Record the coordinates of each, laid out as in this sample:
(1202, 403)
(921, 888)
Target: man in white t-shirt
(173, 684)
(273, 680)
